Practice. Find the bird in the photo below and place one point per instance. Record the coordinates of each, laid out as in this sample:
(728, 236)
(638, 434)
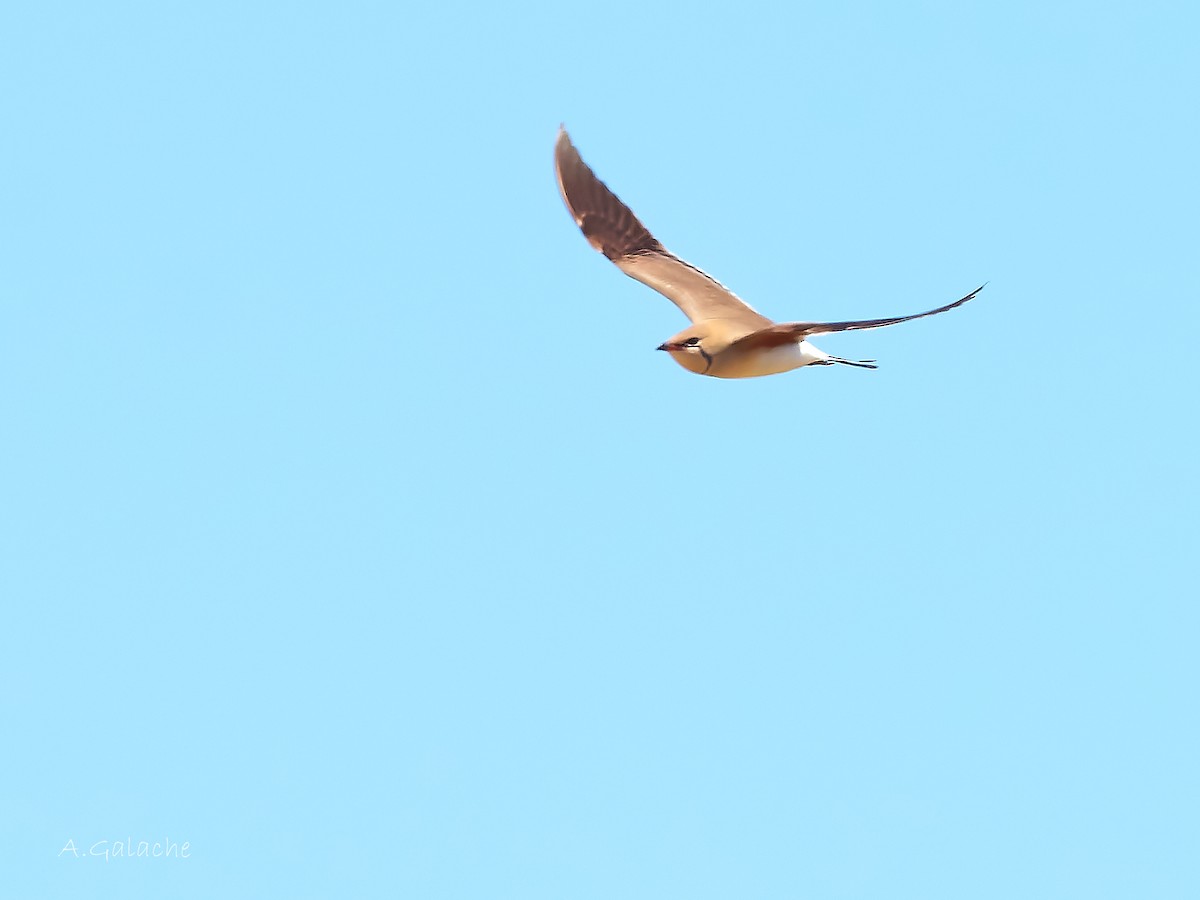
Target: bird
(727, 338)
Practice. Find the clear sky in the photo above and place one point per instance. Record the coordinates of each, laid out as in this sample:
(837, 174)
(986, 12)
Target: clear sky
(352, 531)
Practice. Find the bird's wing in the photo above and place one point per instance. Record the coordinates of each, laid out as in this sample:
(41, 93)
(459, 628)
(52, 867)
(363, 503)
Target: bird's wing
(791, 332)
(612, 228)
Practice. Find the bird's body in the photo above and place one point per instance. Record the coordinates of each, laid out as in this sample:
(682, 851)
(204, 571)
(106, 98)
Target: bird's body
(727, 339)
(771, 361)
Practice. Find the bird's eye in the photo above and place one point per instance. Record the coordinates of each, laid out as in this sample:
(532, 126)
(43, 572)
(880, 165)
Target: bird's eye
(691, 342)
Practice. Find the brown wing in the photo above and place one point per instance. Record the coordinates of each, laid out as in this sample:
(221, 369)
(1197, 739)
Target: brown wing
(611, 227)
(790, 332)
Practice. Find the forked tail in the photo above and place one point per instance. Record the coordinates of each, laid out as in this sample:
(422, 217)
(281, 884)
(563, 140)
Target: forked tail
(860, 363)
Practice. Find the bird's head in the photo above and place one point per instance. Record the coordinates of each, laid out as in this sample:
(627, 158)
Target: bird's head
(694, 347)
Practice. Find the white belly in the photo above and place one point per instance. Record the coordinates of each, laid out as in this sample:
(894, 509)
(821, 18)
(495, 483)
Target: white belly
(771, 361)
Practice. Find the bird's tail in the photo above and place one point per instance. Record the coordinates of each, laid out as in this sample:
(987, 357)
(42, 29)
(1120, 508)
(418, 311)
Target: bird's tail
(860, 363)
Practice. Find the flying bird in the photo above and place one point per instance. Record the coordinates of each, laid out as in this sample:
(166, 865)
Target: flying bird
(727, 339)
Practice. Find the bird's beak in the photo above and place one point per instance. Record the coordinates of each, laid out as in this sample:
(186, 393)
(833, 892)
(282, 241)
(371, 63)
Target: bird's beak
(667, 346)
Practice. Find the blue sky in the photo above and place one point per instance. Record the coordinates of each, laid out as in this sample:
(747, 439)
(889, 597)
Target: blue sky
(353, 533)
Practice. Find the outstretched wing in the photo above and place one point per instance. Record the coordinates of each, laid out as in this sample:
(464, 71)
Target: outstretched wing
(612, 228)
(791, 332)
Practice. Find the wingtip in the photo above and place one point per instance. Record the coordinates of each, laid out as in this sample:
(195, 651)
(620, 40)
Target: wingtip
(564, 150)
